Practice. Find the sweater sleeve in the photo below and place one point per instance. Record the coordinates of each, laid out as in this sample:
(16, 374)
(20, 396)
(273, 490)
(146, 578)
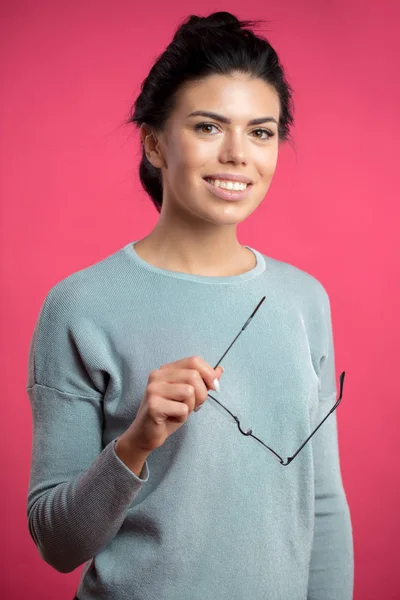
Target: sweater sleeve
(331, 572)
(79, 491)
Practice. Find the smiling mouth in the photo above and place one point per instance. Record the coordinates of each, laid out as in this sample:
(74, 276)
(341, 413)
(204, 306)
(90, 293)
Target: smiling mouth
(228, 194)
(234, 186)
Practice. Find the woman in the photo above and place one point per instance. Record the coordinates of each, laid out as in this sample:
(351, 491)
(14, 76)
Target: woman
(159, 499)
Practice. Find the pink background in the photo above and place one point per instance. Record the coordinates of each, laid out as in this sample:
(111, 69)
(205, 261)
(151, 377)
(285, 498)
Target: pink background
(70, 195)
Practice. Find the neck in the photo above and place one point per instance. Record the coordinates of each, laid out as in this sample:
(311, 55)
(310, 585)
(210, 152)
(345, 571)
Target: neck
(200, 254)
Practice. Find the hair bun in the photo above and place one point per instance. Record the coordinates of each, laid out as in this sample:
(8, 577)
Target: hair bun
(221, 19)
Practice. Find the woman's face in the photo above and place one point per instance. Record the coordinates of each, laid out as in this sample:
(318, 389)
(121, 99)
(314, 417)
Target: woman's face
(193, 147)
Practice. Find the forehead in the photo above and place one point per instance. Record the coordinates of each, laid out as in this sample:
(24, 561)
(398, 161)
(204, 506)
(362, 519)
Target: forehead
(237, 96)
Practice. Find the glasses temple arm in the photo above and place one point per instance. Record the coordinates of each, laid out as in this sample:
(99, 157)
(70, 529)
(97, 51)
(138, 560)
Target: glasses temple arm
(341, 379)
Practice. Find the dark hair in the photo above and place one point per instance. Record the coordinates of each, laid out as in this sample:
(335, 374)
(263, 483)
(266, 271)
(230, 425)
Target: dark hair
(203, 46)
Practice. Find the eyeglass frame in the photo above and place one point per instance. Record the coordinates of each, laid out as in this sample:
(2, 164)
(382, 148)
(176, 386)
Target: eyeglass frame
(248, 432)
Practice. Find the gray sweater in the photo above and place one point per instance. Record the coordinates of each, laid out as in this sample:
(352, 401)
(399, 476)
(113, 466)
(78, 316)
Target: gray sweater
(213, 514)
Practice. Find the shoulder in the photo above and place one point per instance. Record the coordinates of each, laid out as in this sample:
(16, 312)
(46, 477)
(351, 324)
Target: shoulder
(84, 290)
(297, 282)
(69, 331)
(300, 295)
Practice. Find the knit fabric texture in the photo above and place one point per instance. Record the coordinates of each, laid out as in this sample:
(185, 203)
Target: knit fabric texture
(213, 514)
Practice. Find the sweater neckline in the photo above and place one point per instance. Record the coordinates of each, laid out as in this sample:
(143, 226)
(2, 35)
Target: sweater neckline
(226, 279)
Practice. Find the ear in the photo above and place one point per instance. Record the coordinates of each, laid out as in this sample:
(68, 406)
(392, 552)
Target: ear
(151, 146)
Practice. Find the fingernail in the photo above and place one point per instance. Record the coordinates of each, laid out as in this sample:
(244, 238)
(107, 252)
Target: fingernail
(216, 385)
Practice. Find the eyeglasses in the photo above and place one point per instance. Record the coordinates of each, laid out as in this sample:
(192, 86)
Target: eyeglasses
(248, 432)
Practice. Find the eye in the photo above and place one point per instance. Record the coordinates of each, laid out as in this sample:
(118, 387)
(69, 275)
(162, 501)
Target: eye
(200, 125)
(269, 134)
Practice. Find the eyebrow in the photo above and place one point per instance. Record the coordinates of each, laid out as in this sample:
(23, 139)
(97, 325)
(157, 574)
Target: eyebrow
(212, 115)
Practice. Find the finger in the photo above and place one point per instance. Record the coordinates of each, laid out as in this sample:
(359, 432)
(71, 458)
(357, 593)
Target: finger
(189, 376)
(178, 392)
(207, 373)
(176, 411)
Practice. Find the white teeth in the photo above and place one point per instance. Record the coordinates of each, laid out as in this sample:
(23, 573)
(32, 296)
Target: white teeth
(228, 185)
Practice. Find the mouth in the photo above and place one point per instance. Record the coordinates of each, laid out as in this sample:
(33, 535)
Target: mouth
(221, 191)
(228, 184)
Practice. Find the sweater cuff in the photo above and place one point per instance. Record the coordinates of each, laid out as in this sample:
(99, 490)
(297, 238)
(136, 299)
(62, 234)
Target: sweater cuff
(120, 465)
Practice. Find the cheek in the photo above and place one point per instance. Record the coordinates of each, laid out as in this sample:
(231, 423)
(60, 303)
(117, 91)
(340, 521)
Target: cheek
(267, 167)
(195, 155)
(186, 155)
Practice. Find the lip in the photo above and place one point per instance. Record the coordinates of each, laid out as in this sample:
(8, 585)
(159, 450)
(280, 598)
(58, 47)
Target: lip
(231, 176)
(230, 195)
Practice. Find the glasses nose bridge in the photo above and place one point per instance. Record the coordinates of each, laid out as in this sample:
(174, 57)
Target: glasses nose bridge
(248, 431)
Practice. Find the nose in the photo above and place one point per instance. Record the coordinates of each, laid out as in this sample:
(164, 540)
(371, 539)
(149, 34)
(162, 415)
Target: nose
(234, 148)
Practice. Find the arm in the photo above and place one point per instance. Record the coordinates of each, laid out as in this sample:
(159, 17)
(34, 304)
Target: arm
(331, 573)
(79, 492)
